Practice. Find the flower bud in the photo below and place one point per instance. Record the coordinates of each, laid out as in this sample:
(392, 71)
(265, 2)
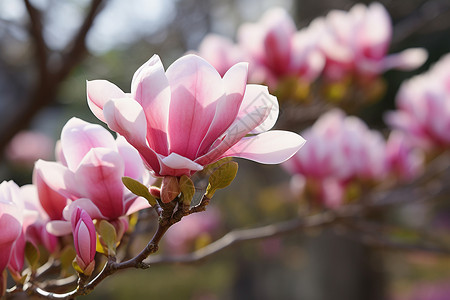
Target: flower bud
(84, 238)
(170, 188)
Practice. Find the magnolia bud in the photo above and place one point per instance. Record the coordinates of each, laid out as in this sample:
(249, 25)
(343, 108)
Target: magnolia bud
(85, 239)
(170, 188)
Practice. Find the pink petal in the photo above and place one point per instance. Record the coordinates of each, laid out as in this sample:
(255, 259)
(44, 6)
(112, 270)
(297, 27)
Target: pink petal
(52, 202)
(98, 93)
(100, 172)
(134, 167)
(257, 99)
(137, 204)
(271, 147)
(59, 178)
(150, 88)
(59, 228)
(239, 129)
(86, 204)
(196, 87)
(408, 59)
(177, 165)
(126, 117)
(227, 108)
(85, 136)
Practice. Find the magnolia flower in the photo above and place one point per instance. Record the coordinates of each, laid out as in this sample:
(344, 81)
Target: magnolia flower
(340, 149)
(357, 42)
(276, 49)
(187, 117)
(423, 106)
(90, 174)
(11, 219)
(85, 239)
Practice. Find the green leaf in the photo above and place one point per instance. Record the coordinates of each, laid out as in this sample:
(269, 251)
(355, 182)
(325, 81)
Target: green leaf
(32, 255)
(107, 237)
(67, 256)
(209, 169)
(187, 189)
(138, 189)
(221, 177)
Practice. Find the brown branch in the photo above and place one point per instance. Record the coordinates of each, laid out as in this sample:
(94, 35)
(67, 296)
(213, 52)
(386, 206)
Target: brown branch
(49, 79)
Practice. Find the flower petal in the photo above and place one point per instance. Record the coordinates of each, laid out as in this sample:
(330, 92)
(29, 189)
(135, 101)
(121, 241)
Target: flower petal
(98, 93)
(126, 117)
(59, 178)
(85, 136)
(150, 88)
(100, 172)
(257, 96)
(271, 147)
(196, 87)
(177, 165)
(235, 82)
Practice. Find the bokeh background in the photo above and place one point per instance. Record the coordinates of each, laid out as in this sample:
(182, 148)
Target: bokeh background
(43, 84)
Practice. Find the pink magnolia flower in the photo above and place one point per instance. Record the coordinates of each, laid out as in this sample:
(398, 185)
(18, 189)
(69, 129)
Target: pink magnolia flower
(189, 116)
(340, 149)
(423, 106)
(11, 218)
(404, 161)
(357, 41)
(220, 52)
(276, 49)
(90, 174)
(85, 239)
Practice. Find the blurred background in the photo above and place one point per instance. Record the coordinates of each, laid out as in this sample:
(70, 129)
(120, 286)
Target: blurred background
(49, 48)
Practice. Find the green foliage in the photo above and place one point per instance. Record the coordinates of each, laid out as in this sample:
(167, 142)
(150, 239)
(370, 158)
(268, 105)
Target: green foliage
(187, 189)
(32, 255)
(138, 189)
(107, 238)
(221, 177)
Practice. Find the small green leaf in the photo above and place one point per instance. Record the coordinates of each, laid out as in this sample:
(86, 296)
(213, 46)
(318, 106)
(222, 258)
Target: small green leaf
(32, 255)
(138, 189)
(221, 177)
(209, 169)
(187, 189)
(107, 237)
(67, 256)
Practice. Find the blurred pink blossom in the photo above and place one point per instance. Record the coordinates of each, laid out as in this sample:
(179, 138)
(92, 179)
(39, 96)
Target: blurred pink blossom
(356, 43)
(90, 174)
(11, 219)
(221, 52)
(340, 149)
(28, 146)
(85, 239)
(276, 49)
(181, 236)
(423, 107)
(189, 116)
(404, 161)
